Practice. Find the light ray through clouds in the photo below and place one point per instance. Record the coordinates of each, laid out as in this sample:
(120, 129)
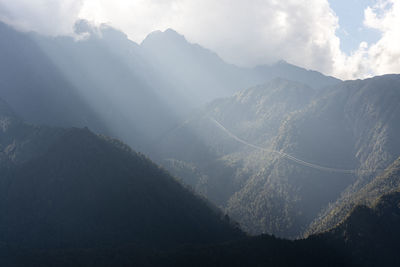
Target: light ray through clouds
(242, 32)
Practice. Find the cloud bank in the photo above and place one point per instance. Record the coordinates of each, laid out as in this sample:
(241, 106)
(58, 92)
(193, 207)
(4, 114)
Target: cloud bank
(52, 17)
(384, 56)
(247, 33)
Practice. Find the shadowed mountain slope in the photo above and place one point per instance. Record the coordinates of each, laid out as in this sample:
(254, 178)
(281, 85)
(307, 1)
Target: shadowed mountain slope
(371, 234)
(74, 189)
(35, 88)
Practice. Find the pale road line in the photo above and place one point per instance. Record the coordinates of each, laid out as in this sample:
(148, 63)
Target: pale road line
(290, 157)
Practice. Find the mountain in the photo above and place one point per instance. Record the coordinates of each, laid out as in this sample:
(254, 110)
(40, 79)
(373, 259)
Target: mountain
(371, 234)
(254, 186)
(277, 157)
(73, 189)
(35, 88)
(254, 113)
(20, 142)
(374, 111)
(71, 197)
(198, 75)
(140, 92)
(100, 82)
(368, 195)
(254, 251)
(110, 75)
(193, 74)
(103, 80)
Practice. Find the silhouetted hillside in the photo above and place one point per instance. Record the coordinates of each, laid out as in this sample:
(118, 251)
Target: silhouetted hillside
(74, 189)
(256, 251)
(371, 235)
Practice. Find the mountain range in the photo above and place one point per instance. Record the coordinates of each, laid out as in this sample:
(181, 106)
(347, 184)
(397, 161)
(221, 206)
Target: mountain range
(234, 157)
(98, 80)
(71, 197)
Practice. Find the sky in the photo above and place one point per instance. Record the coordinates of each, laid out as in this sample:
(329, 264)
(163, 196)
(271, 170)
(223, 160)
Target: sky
(351, 29)
(345, 38)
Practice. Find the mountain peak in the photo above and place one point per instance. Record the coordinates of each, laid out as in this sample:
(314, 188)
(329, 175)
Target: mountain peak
(172, 32)
(169, 35)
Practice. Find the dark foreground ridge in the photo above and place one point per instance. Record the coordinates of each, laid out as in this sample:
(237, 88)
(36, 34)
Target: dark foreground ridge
(70, 189)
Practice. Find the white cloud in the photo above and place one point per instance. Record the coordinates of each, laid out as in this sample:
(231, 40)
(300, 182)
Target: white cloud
(302, 32)
(384, 56)
(379, 58)
(53, 17)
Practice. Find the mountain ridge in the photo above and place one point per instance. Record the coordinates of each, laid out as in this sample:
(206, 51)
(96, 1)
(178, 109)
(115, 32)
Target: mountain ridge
(71, 188)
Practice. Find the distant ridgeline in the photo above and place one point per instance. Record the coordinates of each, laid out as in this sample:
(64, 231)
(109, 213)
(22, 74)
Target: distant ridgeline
(115, 86)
